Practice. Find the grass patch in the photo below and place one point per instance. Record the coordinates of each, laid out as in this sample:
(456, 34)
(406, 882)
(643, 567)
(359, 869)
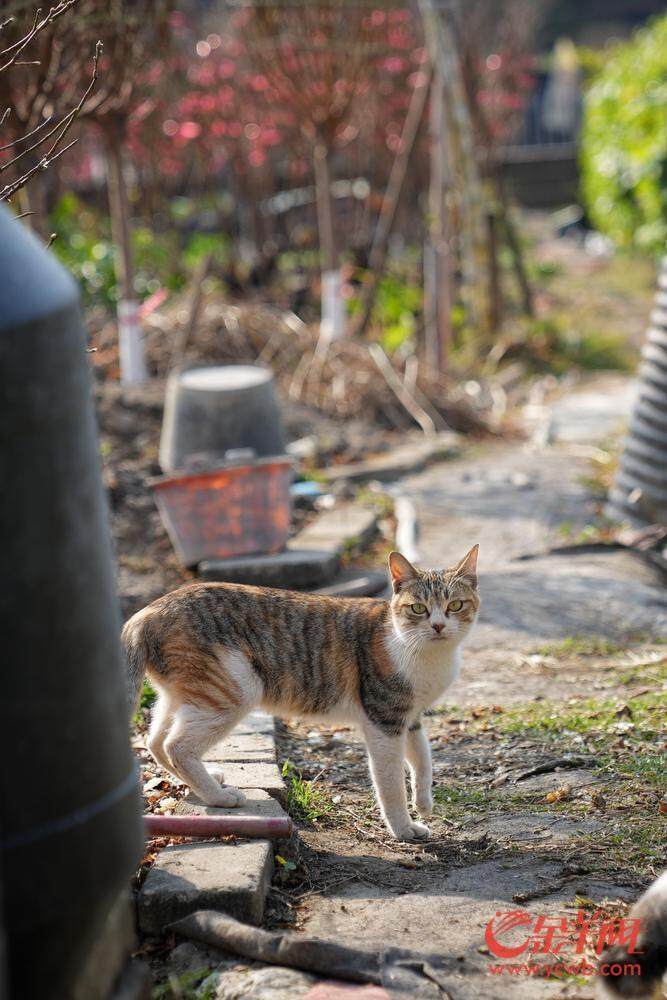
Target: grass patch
(649, 768)
(188, 986)
(452, 798)
(305, 802)
(593, 717)
(146, 701)
(581, 645)
(382, 502)
(454, 801)
(602, 529)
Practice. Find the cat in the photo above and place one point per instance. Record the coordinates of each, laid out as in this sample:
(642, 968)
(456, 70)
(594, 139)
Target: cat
(215, 651)
(638, 971)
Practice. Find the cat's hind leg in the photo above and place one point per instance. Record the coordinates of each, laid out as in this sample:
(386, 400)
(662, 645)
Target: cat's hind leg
(162, 718)
(193, 731)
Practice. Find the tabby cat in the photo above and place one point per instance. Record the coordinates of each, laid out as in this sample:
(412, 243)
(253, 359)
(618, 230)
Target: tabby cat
(215, 651)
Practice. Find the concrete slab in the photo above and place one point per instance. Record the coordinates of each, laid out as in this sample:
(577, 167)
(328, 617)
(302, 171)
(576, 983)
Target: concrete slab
(399, 461)
(256, 774)
(295, 568)
(257, 722)
(312, 557)
(448, 918)
(233, 878)
(242, 748)
(338, 528)
(258, 803)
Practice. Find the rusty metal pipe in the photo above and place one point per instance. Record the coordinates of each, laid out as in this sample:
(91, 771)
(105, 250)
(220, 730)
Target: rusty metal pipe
(264, 827)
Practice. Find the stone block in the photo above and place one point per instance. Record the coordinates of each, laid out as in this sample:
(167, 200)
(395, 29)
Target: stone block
(295, 568)
(231, 878)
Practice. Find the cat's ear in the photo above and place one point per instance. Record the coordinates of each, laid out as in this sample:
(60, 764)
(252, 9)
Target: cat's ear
(468, 565)
(401, 570)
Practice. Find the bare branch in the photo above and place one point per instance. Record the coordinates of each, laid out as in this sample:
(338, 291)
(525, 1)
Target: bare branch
(59, 130)
(29, 135)
(15, 50)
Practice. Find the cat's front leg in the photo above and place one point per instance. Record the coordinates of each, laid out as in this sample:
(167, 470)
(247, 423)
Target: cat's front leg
(386, 755)
(421, 768)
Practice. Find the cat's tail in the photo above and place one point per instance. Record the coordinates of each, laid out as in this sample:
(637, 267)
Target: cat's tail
(135, 648)
(636, 969)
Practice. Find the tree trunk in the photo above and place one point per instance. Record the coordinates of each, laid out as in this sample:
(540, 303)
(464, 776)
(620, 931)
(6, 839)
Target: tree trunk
(333, 308)
(131, 349)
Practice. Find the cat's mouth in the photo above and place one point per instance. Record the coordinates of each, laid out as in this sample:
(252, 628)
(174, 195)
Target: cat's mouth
(439, 638)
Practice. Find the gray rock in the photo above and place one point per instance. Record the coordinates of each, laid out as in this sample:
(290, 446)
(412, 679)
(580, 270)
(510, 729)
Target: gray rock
(543, 783)
(534, 828)
(270, 982)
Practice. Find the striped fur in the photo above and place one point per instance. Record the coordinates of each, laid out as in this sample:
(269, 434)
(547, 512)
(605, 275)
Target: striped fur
(216, 651)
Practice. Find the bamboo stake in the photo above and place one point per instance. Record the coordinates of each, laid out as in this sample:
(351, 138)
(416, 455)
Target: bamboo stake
(399, 169)
(406, 399)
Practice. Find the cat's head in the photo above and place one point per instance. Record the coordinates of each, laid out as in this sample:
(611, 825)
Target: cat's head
(437, 605)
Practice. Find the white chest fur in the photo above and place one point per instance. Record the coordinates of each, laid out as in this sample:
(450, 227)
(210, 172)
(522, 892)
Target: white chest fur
(431, 671)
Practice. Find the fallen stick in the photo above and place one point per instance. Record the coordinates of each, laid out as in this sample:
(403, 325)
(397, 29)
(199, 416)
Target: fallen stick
(406, 973)
(267, 828)
(279, 948)
(417, 412)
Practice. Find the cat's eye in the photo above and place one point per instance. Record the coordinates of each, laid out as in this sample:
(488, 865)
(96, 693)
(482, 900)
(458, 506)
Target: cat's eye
(455, 605)
(418, 609)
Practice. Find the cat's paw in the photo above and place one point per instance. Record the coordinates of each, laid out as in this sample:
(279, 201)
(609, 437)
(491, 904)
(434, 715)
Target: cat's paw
(424, 804)
(226, 797)
(413, 831)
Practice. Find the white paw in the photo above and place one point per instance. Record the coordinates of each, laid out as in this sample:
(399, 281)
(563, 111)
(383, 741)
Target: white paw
(226, 798)
(424, 804)
(413, 831)
(216, 772)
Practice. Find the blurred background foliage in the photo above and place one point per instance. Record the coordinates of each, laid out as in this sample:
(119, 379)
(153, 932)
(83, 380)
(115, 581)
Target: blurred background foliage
(624, 141)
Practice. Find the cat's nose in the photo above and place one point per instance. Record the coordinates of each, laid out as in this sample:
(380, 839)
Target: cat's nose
(437, 628)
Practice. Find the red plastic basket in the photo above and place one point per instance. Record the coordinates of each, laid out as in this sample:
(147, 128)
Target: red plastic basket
(229, 511)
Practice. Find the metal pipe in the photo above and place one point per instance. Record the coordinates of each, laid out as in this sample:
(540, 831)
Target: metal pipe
(265, 827)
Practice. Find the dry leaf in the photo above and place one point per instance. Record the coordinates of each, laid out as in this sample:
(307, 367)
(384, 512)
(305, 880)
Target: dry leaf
(559, 794)
(623, 712)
